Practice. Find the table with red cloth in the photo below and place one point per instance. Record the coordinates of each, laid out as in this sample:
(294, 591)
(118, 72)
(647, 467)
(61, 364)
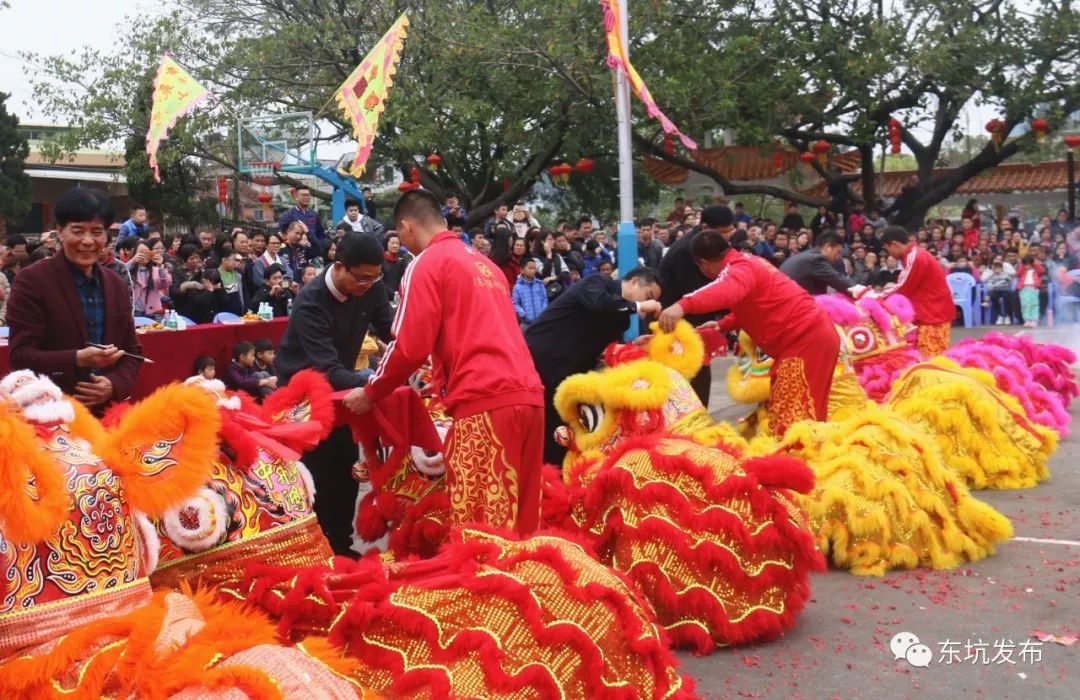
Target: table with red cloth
(174, 352)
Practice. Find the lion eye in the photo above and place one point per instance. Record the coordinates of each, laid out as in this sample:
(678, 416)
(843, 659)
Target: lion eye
(590, 416)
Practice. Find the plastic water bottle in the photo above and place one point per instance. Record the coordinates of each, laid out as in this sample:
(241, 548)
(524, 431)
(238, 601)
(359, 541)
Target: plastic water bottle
(288, 307)
(265, 312)
(180, 323)
(170, 320)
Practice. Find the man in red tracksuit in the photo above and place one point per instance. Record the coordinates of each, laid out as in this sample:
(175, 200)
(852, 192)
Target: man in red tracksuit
(923, 282)
(455, 308)
(781, 318)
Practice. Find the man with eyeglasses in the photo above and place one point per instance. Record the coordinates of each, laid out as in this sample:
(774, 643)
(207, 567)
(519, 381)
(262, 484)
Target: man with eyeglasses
(330, 319)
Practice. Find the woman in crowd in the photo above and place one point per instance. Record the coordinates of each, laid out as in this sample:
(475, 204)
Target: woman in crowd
(395, 261)
(550, 265)
(822, 220)
(150, 280)
(512, 266)
(270, 256)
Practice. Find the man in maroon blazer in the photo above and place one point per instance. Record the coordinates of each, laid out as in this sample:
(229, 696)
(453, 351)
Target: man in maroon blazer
(60, 305)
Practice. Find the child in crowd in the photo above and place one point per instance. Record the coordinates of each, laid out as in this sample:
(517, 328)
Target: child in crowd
(1029, 280)
(205, 368)
(529, 295)
(264, 357)
(241, 373)
(1000, 294)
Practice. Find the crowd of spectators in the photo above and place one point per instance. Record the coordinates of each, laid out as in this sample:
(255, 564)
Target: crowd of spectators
(202, 275)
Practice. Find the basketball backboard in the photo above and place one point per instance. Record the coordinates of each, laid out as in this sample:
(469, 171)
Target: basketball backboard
(288, 139)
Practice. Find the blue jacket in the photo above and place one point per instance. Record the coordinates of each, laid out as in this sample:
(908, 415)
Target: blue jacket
(128, 229)
(763, 249)
(592, 264)
(310, 217)
(530, 299)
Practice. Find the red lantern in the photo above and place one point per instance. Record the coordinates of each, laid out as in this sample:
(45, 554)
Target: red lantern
(265, 198)
(894, 149)
(408, 186)
(1041, 127)
(806, 157)
(222, 189)
(996, 128)
(560, 173)
(894, 135)
(433, 162)
(505, 185)
(1073, 142)
(585, 166)
(778, 159)
(821, 148)
(669, 144)
(414, 174)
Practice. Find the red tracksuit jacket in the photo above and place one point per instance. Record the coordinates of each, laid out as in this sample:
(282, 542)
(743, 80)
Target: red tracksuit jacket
(778, 314)
(455, 308)
(923, 282)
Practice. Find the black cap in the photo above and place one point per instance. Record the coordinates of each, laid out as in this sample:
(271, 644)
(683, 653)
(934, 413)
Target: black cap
(717, 215)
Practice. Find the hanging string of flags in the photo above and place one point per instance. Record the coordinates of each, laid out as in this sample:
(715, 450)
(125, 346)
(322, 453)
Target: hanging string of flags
(175, 92)
(618, 60)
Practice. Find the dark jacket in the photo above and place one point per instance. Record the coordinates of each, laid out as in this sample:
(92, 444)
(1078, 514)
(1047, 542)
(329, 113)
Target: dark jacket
(393, 271)
(326, 334)
(310, 217)
(650, 255)
(279, 303)
(242, 379)
(47, 325)
(814, 273)
(570, 335)
(192, 300)
(679, 275)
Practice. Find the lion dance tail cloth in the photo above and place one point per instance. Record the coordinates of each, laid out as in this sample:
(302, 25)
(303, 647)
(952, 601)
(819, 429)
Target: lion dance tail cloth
(489, 616)
(984, 434)
(884, 499)
(716, 543)
(78, 619)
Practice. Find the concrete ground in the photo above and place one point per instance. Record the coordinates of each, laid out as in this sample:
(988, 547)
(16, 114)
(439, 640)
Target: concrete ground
(840, 646)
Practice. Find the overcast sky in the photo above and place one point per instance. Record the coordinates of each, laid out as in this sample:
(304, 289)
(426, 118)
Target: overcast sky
(58, 26)
(51, 27)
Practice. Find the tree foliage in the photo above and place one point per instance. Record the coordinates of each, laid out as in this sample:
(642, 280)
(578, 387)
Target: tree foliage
(14, 182)
(502, 89)
(796, 71)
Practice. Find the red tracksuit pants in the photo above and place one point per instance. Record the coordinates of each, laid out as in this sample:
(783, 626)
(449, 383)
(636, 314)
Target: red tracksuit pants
(493, 469)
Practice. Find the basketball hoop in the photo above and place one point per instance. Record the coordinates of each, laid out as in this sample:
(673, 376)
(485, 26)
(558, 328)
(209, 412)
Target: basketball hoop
(262, 172)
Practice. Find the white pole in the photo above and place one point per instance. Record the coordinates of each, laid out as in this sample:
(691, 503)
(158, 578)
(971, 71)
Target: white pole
(627, 236)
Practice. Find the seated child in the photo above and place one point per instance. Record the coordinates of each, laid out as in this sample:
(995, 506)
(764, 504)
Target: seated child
(241, 373)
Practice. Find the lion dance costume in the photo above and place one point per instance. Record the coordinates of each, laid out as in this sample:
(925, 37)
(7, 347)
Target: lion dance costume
(892, 480)
(78, 617)
(715, 541)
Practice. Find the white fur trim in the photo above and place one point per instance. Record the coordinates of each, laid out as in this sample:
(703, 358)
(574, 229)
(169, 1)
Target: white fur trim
(217, 388)
(148, 541)
(14, 379)
(309, 483)
(429, 466)
(211, 516)
(358, 545)
(50, 412)
(230, 404)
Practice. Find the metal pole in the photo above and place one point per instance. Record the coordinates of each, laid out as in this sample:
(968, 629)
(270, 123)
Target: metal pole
(1072, 184)
(627, 236)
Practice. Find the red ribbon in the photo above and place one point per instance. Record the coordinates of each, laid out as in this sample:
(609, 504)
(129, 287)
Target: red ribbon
(287, 440)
